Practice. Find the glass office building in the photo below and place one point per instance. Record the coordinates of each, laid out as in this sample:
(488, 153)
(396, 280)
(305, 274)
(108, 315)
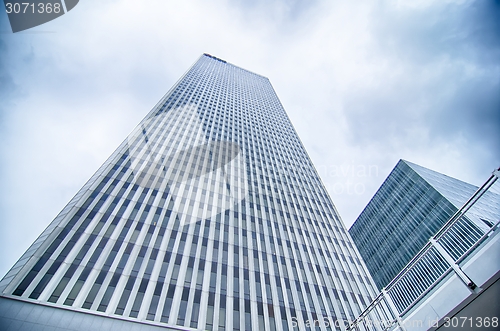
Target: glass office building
(411, 205)
(209, 216)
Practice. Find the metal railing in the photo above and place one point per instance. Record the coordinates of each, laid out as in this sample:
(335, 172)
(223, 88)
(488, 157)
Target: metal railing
(456, 240)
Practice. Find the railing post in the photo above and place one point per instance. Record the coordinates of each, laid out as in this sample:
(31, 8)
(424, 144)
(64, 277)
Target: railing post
(496, 173)
(463, 277)
(393, 308)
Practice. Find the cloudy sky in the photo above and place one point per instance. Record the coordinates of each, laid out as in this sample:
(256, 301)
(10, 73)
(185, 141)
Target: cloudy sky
(365, 84)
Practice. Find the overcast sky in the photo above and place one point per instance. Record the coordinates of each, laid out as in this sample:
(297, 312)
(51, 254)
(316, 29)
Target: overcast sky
(365, 83)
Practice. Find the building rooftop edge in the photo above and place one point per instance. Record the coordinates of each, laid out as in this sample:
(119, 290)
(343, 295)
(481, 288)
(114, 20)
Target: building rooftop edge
(225, 62)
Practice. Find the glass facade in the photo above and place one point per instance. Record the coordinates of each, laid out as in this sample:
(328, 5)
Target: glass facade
(412, 204)
(210, 215)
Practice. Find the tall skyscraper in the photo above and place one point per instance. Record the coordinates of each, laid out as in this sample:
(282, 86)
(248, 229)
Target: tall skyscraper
(210, 215)
(412, 204)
